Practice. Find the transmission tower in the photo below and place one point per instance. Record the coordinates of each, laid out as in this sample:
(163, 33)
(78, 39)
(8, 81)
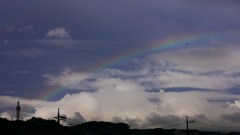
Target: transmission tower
(18, 110)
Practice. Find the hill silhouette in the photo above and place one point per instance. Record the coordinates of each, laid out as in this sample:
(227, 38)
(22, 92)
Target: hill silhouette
(39, 126)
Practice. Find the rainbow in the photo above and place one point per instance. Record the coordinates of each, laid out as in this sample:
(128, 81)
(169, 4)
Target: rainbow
(161, 45)
(164, 44)
(52, 91)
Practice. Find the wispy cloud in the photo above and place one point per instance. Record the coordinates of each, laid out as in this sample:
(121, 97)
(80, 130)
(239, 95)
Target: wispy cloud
(16, 27)
(29, 53)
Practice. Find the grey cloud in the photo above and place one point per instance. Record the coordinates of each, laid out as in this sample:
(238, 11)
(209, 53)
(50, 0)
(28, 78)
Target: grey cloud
(76, 119)
(133, 123)
(201, 117)
(154, 100)
(202, 57)
(155, 119)
(235, 117)
(154, 76)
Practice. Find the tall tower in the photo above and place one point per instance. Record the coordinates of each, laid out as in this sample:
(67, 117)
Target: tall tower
(18, 110)
(58, 117)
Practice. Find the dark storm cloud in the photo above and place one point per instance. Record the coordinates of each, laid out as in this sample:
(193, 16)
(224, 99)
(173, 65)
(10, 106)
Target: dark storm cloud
(121, 19)
(155, 119)
(184, 89)
(235, 118)
(159, 121)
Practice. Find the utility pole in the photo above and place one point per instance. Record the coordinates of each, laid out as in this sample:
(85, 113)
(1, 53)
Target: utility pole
(59, 117)
(188, 121)
(187, 125)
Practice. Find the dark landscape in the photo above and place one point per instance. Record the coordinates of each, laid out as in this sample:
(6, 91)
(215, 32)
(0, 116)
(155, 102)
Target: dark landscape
(39, 126)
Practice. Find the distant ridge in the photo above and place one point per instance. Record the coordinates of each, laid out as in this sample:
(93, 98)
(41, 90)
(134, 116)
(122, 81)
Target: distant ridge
(39, 126)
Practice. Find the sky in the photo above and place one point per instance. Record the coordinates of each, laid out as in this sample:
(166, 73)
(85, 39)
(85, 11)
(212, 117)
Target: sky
(147, 63)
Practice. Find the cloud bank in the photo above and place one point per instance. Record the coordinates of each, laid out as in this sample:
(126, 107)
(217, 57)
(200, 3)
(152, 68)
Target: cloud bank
(142, 97)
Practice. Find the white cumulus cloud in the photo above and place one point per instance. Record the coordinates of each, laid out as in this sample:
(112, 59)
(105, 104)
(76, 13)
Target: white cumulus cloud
(60, 32)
